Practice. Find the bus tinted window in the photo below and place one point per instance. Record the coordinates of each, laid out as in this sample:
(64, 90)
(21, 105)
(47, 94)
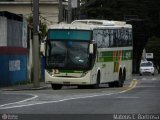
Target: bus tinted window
(65, 34)
(113, 37)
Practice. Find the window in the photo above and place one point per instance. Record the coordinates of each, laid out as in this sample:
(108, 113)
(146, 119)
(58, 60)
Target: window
(65, 34)
(113, 37)
(68, 54)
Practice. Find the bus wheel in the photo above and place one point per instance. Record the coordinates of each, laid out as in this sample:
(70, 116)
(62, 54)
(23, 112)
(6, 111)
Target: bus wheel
(120, 81)
(95, 86)
(56, 86)
(111, 84)
(82, 86)
(124, 74)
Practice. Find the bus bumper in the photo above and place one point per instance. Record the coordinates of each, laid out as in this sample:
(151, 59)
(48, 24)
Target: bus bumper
(68, 80)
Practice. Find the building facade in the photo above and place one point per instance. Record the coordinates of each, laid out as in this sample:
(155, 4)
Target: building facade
(48, 9)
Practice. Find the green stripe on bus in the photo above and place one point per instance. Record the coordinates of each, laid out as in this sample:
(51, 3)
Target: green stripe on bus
(127, 55)
(110, 56)
(71, 71)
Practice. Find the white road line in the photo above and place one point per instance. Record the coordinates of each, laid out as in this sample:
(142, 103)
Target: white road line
(154, 79)
(144, 79)
(127, 97)
(149, 79)
(132, 86)
(34, 96)
(62, 100)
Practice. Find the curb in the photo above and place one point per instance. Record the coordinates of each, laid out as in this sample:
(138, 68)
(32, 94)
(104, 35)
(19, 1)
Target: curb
(22, 89)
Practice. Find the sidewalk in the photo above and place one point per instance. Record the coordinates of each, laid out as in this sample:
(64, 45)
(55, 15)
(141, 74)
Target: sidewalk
(25, 87)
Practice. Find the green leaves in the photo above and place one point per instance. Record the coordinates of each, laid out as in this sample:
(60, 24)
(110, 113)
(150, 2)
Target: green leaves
(153, 46)
(43, 27)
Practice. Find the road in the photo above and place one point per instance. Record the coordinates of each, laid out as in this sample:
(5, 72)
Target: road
(140, 95)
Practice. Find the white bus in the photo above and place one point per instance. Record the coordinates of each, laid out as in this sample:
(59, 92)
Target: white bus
(88, 53)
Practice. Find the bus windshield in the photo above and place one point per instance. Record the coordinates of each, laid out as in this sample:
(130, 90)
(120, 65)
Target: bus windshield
(146, 64)
(68, 54)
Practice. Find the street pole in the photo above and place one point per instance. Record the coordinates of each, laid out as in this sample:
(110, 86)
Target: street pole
(69, 11)
(36, 54)
(78, 8)
(60, 11)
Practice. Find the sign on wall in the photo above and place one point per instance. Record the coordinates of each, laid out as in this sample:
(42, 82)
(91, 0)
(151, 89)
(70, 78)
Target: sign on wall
(74, 3)
(14, 65)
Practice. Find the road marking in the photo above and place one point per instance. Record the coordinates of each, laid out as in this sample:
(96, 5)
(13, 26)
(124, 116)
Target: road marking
(131, 86)
(127, 97)
(144, 79)
(146, 86)
(34, 96)
(148, 79)
(62, 100)
(154, 79)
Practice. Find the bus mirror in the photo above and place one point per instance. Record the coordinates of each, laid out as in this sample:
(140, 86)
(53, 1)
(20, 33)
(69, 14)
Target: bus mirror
(42, 48)
(91, 48)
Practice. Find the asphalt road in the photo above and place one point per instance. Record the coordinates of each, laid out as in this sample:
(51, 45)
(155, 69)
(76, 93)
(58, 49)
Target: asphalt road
(140, 95)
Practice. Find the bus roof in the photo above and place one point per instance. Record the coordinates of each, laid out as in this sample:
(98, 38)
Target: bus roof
(91, 24)
(79, 26)
(103, 23)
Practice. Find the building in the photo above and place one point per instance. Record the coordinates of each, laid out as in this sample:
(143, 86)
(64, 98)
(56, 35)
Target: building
(13, 49)
(49, 9)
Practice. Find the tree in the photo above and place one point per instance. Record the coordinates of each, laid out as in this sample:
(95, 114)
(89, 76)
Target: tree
(42, 27)
(153, 46)
(147, 11)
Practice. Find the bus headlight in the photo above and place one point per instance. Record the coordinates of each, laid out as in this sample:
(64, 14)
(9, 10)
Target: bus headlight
(55, 71)
(83, 74)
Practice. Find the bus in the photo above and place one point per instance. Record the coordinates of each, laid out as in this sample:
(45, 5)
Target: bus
(88, 53)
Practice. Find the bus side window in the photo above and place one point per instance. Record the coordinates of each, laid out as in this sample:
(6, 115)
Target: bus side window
(113, 38)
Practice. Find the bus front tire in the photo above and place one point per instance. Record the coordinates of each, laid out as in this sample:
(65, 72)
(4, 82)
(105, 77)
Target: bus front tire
(124, 74)
(95, 86)
(82, 86)
(111, 84)
(56, 86)
(120, 81)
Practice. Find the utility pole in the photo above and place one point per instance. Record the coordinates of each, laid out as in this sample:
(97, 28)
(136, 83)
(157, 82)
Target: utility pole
(60, 11)
(78, 9)
(35, 51)
(69, 11)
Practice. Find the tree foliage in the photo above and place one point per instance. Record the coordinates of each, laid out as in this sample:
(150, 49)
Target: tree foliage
(153, 46)
(147, 10)
(144, 10)
(42, 25)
